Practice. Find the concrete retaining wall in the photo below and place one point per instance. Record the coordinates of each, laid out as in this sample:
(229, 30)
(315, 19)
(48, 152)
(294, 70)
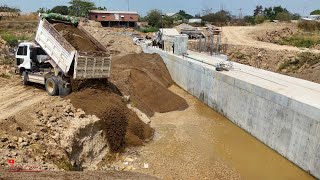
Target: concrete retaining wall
(267, 105)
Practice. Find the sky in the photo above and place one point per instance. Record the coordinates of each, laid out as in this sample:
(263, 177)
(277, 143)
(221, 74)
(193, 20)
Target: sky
(303, 7)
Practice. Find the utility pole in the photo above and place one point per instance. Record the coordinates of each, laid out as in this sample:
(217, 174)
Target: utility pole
(128, 5)
(240, 13)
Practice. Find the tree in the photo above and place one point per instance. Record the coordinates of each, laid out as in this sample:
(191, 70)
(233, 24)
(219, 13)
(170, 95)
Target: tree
(64, 10)
(43, 10)
(249, 19)
(315, 12)
(167, 21)
(206, 11)
(258, 10)
(154, 17)
(6, 8)
(295, 16)
(184, 15)
(271, 12)
(197, 15)
(220, 18)
(283, 16)
(259, 19)
(102, 8)
(80, 8)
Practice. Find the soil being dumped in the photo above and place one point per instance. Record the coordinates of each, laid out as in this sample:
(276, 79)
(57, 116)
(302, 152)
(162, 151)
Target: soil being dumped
(76, 37)
(146, 79)
(101, 98)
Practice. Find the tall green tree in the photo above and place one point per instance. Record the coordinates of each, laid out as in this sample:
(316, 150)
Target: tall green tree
(64, 10)
(219, 18)
(258, 10)
(183, 15)
(154, 18)
(80, 8)
(271, 12)
(315, 12)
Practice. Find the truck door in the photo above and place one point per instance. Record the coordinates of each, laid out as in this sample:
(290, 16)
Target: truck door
(23, 57)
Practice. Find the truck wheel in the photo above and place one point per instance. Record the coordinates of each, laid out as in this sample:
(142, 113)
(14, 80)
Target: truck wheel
(52, 86)
(63, 89)
(25, 78)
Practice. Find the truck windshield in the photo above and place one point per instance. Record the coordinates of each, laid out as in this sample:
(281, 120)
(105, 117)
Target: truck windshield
(22, 50)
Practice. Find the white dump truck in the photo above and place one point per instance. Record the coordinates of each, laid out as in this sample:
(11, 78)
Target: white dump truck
(54, 62)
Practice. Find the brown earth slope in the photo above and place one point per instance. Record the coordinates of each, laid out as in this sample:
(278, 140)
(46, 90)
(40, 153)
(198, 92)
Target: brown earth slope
(145, 78)
(100, 98)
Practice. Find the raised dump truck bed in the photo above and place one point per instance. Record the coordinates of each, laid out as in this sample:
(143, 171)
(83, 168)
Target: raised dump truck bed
(63, 54)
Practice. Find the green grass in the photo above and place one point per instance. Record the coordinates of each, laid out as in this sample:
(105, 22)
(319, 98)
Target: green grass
(12, 39)
(303, 40)
(302, 59)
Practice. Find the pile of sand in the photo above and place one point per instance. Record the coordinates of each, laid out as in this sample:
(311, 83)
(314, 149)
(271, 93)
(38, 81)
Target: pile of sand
(76, 37)
(114, 39)
(146, 79)
(100, 98)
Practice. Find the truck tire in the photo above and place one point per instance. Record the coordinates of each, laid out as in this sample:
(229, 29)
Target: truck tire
(25, 78)
(52, 86)
(63, 89)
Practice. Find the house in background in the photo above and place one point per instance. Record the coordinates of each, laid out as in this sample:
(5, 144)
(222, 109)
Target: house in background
(115, 18)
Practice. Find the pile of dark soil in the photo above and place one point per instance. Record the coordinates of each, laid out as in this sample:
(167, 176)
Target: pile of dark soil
(76, 37)
(100, 98)
(146, 79)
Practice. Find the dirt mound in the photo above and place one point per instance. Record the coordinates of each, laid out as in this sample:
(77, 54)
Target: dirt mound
(145, 78)
(118, 41)
(76, 37)
(124, 128)
(276, 36)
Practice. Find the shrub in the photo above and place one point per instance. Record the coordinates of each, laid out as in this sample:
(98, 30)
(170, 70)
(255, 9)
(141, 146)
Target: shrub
(309, 25)
(259, 19)
(149, 29)
(12, 39)
(302, 59)
(283, 16)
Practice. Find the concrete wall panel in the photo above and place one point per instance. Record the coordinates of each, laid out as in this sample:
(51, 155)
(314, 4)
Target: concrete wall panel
(284, 123)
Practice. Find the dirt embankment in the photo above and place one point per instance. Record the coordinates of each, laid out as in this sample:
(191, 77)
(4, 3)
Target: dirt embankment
(101, 98)
(303, 65)
(145, 78)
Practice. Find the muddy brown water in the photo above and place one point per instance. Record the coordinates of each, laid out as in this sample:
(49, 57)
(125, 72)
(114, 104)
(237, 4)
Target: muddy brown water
(199, 143)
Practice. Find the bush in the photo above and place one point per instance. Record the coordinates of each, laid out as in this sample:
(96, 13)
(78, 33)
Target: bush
(149, 29)
(309, 25)
(259, 19)
(283, 16)
(13, 40)
(300, 41)
(315, 12)
(249, 19)
(302, 59)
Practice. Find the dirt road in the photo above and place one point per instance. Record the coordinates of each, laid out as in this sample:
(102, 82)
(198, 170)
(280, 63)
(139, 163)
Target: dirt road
(199, 143)
(15, 97)
(244, 35)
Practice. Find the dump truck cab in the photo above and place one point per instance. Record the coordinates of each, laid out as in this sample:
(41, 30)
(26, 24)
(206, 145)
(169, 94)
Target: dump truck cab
(29, 56)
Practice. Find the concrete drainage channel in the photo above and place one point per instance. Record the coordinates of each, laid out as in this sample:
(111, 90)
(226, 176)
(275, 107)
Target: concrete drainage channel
(265, 104)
